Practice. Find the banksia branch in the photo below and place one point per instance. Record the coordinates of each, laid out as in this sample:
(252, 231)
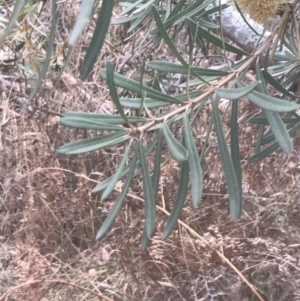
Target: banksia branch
(262, 11)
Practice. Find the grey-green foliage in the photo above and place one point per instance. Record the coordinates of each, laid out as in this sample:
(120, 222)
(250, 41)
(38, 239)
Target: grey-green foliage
(163, 21)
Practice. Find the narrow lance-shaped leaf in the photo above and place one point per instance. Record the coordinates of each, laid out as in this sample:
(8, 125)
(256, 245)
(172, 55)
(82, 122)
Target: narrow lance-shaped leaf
(83, 123)
(278, 128)
(177, 9)
(46, 63)
(135, 103)
(148, 193)
(145, 240)
(155, 183)
(104, 118)
(98, 38)
(262, 88)
(272, 81)
(104, 184)
(143, 15)
(178, 152)
(234, 145)
(194, 162)
(134, 86)
(131, 7)
(157, 168)
(280, 131)
(119, 202)
(211, 38)
(113, 90)
(268, 136)
(236, 93)
(115, 178)
(264, 153)
(229, 171)
(178, 68)
(272, 148)
(84, 15)
(62, 69)
(179, 202)
(92, 144)
(270, 103)
(13, 18)
(264, 120)
(168, 41)
(190, 11)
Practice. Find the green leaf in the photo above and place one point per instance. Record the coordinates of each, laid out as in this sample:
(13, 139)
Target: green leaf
(148, 193)
(270, 103)
(229, 170)
(179, 202)
(268, 137)
(145, 240)
(84, 15)
(190, 11)
(168, 41)
(135, 103)
(280, 132)
(92, 144)
(264, 120)
(211, 38)
(262, 88)
(83, 123)
(104, 184)
(277, 126)
(19, 4)
(131, 7)
(98, 38)
(155, 182)
(134, 86)
(102, 118)
(46, 63)
(119, 202)
(62, 69)
(235, 147)
(264, 153)
(194, 162)
(115, 178)
(178, 152)
(272, 148)
(292, 78)
(273, 82)
(178, 68)
(196, 82)
(236, 93)
(124, 20)
(157, 168)
(177, 9)
(143, 15)
(113, 91)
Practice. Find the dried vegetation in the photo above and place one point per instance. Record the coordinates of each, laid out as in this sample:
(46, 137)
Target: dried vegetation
(49, 217)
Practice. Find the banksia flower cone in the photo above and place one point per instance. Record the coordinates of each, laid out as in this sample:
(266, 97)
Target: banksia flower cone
(262, 11)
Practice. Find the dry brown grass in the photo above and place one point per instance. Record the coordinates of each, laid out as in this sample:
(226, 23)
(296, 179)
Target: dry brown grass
(49, 217)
